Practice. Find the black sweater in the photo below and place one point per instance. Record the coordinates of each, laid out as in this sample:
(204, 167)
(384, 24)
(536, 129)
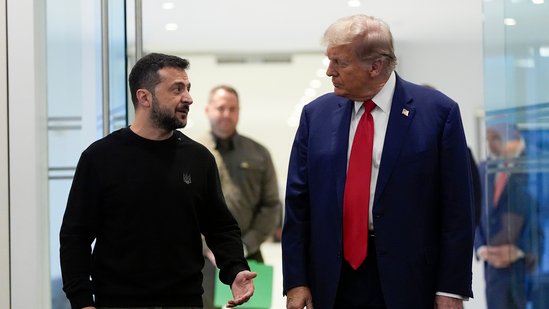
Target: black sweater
(145, 203)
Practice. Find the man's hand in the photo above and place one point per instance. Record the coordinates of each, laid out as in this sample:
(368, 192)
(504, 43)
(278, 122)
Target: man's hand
(242, 288)
(502, 256)
(299, 298)
(446, 302)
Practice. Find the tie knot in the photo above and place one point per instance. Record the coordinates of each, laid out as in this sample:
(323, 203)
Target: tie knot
(369, 106)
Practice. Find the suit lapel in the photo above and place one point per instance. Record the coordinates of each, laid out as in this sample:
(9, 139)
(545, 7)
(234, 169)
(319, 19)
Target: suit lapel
(402, 114)
(341, 121)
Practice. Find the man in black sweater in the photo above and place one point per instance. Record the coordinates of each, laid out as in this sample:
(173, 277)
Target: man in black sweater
(145, 194)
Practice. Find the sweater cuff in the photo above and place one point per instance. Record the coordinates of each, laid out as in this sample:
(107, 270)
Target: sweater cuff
(81, 300)
(228, 275)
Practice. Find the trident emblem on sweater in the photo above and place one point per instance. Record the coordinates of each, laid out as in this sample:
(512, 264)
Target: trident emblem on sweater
(187, 178)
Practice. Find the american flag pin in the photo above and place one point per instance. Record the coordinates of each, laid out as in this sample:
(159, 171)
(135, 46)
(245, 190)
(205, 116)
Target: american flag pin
(405, 112)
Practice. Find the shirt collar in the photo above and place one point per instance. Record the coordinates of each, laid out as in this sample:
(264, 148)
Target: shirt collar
(225, 144)
(384, 97)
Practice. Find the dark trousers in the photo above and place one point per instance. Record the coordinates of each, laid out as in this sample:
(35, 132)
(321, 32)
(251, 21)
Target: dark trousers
(361, 288)
(506, 287)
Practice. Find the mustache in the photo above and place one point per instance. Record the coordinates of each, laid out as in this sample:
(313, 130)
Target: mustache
(183, 108)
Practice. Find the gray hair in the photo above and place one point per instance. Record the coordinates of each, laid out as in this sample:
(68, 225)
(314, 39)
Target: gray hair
(371, 37)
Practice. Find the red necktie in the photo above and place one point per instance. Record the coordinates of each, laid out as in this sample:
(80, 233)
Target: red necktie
(356, 198)
(501, 180)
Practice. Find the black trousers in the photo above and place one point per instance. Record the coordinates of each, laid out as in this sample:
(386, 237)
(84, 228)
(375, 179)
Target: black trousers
(361, 288)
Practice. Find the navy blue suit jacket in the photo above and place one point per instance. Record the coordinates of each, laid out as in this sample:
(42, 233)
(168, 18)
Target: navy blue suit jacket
(524, 231)
(422, 211)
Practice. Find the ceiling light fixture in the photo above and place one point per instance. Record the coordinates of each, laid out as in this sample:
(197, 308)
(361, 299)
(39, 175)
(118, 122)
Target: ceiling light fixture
(544, 51)
(509, 21)
(538, 1)
(171, 26)
(353, 3)
(168, 5)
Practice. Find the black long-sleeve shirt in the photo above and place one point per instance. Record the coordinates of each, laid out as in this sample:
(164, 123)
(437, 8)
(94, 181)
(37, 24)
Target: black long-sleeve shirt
(145, 203)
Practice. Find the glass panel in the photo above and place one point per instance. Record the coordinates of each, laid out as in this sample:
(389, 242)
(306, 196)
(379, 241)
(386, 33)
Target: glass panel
(117, 65)
(74, 99)
(515, 212)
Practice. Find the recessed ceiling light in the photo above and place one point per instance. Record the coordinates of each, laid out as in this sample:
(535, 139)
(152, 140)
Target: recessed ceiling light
(171, 26)
(353, 3)
(538, 1)
(544, 51)
(168, 5)
(509, 21)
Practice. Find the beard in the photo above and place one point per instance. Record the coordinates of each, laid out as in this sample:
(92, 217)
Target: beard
(163, 118)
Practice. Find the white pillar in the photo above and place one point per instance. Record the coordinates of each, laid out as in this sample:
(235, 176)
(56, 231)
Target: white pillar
(28, 168)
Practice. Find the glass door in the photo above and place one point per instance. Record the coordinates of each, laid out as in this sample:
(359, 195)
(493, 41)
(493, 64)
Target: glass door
(84, 93)
(516, 213)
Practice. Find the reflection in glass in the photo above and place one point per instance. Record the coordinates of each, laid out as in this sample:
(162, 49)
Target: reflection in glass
(517, 132)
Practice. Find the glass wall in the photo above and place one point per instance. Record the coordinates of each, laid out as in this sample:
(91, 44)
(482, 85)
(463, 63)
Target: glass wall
(513, 235)
(75, 104)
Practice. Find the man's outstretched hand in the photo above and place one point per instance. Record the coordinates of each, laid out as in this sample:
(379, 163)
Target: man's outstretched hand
(242, 288)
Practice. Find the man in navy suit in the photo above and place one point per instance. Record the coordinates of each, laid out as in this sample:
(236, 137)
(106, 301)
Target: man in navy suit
(418, 219)
(508, 237)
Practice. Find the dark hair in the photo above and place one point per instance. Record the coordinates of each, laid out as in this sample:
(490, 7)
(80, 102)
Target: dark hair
(144, 73)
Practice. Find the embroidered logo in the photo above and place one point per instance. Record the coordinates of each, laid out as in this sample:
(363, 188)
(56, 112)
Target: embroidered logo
(187, 178)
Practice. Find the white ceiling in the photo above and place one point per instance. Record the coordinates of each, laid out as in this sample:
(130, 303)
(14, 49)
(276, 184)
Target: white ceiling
(283, 26)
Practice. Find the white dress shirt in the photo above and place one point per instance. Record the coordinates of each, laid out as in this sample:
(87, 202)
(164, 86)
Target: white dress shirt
(383, 100)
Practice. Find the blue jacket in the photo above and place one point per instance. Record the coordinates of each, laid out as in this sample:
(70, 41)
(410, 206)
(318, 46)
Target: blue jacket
(422, 210)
